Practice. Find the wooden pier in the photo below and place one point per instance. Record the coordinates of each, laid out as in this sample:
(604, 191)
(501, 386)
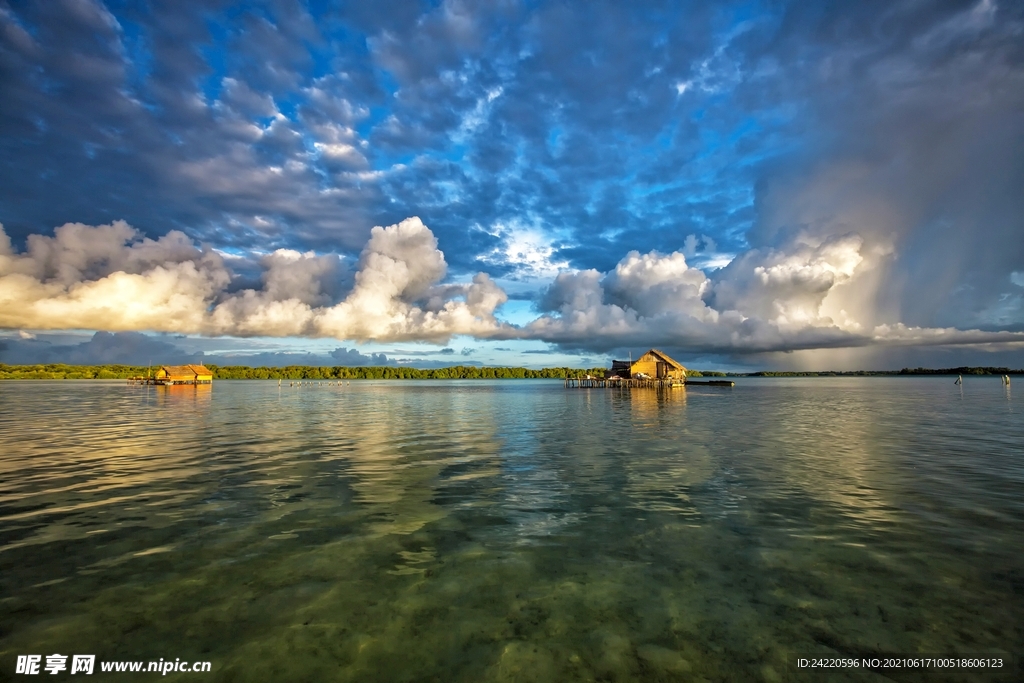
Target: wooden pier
(164, 382)
(619, 383)
(652, 370)
(173, 375)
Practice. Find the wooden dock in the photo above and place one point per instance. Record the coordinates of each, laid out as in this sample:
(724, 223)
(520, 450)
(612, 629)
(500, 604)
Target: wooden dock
(162, 382)
(618, 383)
(173, 375)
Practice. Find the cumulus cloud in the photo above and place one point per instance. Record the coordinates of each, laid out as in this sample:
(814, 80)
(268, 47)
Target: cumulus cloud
(110, 278)
(800, 295)
(400, 267)
(106, 278)
(294, 285)
(788, 286)
(771, 299)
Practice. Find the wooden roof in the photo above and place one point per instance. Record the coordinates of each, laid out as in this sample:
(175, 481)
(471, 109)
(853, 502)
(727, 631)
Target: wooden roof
(186, 370)
(666, 358)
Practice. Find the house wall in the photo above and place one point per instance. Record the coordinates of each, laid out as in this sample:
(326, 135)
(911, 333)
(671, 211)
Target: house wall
(648, 364)
(675, 373)
(648, 367)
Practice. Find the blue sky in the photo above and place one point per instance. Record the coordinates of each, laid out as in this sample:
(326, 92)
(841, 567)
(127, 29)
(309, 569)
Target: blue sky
(784, 185)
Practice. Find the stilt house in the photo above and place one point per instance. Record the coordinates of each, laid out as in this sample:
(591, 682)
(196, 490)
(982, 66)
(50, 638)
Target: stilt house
(654, 364)
(184, 374)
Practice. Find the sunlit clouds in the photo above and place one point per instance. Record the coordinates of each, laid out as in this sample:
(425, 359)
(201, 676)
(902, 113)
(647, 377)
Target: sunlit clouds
(111, 278)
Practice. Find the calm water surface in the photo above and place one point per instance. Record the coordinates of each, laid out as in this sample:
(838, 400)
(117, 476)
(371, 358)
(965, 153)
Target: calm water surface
(511, 531)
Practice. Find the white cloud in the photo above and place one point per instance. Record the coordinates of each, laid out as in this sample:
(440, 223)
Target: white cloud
(400, 266)
(654, 283)
(341, 154)
(765, 300)
(787, 287)
(529, 248)
(473, 119)
(110, 278)
(106, 278)
(238, 95)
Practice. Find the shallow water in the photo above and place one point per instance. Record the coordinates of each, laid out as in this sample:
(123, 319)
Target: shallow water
(512, 530)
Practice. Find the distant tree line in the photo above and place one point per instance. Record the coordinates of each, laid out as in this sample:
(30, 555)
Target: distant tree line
(395, 372)
(293, 372)
(825, 373)
(61, 371)
(963, 370)
(312, 372)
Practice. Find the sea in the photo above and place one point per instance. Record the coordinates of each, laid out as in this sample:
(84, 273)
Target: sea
(784, 529)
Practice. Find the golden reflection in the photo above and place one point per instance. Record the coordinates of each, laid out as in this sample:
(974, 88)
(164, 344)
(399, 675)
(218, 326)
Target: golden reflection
(197, 396)
(122, 451)
(670, 462)
(436, 438)
(651, 407)
(833, 450)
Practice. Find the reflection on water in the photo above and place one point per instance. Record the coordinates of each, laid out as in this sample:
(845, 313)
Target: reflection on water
(511, 530)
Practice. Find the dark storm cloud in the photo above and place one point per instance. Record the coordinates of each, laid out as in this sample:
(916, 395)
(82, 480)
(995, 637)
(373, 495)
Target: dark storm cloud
(125, 348)
(913, 140)
(344, 356)
(279, 359)
(134, 348)
(338, 357)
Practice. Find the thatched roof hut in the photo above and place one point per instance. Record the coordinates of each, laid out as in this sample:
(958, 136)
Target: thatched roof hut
(654, 364)
(184, 374)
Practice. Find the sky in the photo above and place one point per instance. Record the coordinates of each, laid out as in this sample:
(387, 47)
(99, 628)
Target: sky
(744, 185)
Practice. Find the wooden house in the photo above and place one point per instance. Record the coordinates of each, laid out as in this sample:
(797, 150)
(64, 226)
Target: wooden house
(184, 374)
(654, 364)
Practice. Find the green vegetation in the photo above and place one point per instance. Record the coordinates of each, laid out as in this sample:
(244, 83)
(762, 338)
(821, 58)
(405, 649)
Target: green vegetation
(961, 371)
(61, 371)
(395, 372)
(291, 372)
(884, 373)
